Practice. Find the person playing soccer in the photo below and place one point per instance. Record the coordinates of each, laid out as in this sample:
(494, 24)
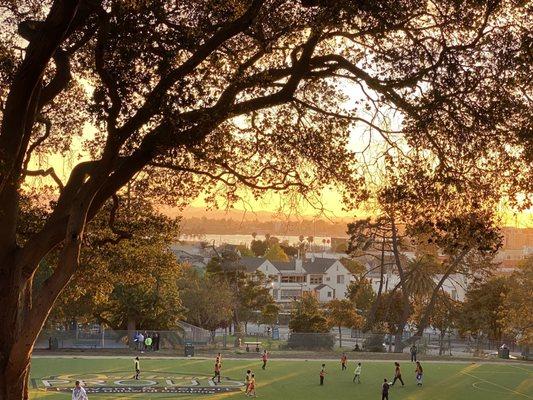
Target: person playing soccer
(357, 373)
(247, 381)
(322, 374)
(344, 361)
(265, 359)
(413, 350)
(251, 387)
(137, 367)
(385, 390)
(419, 372)
(397, 374)
(79, 393)
(218, 368)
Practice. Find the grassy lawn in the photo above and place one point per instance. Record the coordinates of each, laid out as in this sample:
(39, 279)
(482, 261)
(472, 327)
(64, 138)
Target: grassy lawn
(283, 379)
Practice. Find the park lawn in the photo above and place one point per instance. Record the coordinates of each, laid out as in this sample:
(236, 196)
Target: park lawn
(290, 380)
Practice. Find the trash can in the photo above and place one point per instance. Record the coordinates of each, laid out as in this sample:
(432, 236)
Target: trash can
(503, 353)
(189, 350)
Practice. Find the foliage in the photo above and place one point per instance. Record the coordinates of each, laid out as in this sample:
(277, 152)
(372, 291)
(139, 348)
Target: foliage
(132, 281)
(207, 300)
(390, 310)
(308, 317)
(276, 253)
(209, 97)
(245, 251)
(516, 316)
(258, 247)
(269, 314)
(361, 294)
(342, 313)
(480, 313)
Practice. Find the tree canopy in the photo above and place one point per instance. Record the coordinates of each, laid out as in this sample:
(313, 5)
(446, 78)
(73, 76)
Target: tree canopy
(208, 96)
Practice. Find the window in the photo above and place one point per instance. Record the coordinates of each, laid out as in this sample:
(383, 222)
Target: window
(340, 279)
(316, 279)
(328, 278)
(454, 294)
(329, 294)
(292, 278)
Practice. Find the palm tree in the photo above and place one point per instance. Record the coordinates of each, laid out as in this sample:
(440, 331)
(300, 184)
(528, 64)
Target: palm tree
(419, 277)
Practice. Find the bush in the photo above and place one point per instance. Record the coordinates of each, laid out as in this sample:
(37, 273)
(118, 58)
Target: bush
(311, 341)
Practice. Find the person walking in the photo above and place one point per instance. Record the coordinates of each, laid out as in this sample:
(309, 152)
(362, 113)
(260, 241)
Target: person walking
(344, 361)
(137, 367)
(357, 374)
(419, 371)
(265, 359)
(79, 393)
(385, 390)
(397, 374)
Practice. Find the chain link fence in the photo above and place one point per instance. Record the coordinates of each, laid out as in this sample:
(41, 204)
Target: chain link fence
(276, 339)
(96, 337)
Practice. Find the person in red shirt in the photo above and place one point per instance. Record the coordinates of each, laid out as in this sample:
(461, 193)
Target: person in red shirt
(322, 374)
(344, 361)
(265, 359)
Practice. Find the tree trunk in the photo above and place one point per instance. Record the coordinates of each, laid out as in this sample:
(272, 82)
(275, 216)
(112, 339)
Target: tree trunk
(371, 318)
(340, 336)
(131, 332)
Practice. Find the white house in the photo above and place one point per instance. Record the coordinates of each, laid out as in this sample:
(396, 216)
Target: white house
(327, 279)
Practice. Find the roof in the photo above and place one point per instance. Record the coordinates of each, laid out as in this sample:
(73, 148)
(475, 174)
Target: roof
(284, 265)
(318, 266)
(249, 264)
(322, 286)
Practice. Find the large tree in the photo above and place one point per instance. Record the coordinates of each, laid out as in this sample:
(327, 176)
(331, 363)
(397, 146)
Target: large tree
(240, 92)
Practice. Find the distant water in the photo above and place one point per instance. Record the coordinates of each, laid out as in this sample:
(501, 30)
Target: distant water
(247, 239)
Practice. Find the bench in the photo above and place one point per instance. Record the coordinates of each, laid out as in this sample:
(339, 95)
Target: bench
(256, 344)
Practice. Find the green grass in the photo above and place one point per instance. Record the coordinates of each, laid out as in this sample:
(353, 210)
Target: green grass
(295, 380)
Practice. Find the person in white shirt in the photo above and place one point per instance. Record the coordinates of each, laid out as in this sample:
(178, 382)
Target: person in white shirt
(79, 393)
(357, 373)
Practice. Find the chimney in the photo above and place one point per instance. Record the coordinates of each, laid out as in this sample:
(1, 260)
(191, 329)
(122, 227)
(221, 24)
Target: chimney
(298, 264)
(312, 257)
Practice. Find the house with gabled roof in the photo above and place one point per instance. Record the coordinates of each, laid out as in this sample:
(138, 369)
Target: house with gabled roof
(327, 279)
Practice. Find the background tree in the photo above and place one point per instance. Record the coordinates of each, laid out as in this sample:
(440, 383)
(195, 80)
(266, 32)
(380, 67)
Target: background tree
(308, 317)
(276, 253)
(164, 119)
(258, 247)
(516, 314)
(444, 317)
(207, 300)
(342, 313)
(361, 294)
(480, 313)
(269, 314)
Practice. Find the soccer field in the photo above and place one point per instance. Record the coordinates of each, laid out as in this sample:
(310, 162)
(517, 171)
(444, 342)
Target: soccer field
(283, 379)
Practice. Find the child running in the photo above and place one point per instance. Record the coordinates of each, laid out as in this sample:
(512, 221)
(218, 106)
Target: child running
(397, 374)
(344, 361)
(322, 374)
(357, 373)
(247, 381)
(251, 387)
(218, 367)
(419, 372)
(137, 367)
(385, 390)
